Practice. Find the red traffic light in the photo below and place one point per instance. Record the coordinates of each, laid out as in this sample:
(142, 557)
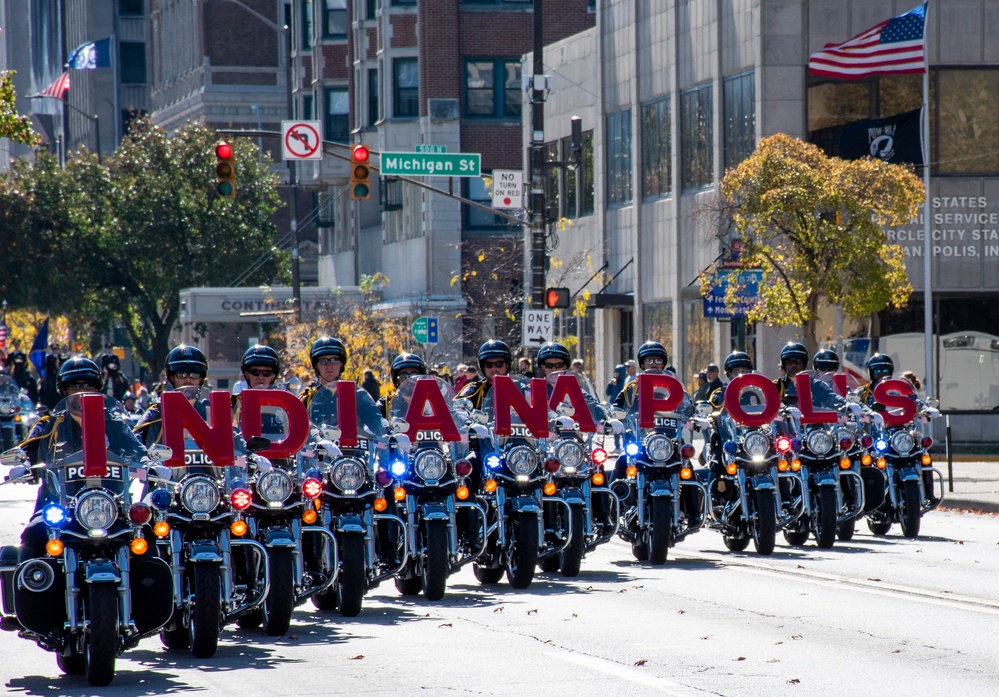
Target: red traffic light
(557, 298)
(223, 151)
(360, 153)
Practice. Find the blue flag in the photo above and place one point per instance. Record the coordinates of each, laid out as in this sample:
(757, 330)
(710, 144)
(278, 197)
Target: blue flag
(91, 55)
(37, 355)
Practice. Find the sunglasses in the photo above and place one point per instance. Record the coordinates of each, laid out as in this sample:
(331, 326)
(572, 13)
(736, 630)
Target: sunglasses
(408, 373)
(794, 361)
(327, 361)
(653, 361)
(188, 376)
(260, 373)
(493, 364)
(557, 365)
(79, 387)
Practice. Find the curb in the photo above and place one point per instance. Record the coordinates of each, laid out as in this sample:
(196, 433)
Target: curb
(969, 506)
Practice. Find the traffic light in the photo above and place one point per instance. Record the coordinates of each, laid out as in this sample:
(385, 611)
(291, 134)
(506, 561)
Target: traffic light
(360, 173)
(225, 170)
(557, 298)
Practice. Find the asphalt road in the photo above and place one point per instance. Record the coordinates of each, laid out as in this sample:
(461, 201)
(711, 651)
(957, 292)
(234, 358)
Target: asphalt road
(865, 617)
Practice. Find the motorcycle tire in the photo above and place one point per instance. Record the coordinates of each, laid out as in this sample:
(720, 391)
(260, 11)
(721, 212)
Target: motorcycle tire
(280, 601)
(879, 527)
(350, 586)
(70, 665)
(408, 586)
(825, 518)
(251, 620)
(571, 558)
(174, 639)
(485, 575)
(796, 533)
(765, 526)
(911, 509)
(846, 529)
(205, 621)
(101, 644)
(524, 555)
(324, 601)
(550, 563)
(640, 550)
(662, 530)
(735, 544)
(436, 564)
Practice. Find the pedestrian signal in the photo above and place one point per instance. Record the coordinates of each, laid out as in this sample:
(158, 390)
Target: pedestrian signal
(556, 298)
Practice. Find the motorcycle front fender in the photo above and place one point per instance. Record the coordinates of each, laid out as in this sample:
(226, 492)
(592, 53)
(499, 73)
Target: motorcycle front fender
(205, 552)
(660, 487)
(909, 474)
(279, 537)
(350, 523)
(760, 481)
(825, 479)
(101, 572)
(573, 497)
(524, 504)
(434, 511)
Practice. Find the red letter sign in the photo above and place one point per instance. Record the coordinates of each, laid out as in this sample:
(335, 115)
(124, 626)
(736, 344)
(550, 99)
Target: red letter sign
(649, 404)
(346, 410)
(839, 384)
(771, 399)
(251, 423)
(216, 440)
(809, 414)
(95, 454)
(568, 386)
(426, 392)
(896, 394)
(534, 414)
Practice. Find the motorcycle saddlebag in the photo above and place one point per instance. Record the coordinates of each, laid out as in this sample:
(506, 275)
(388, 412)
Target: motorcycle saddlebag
(874, 488)
(8, 562)
(152, 593)
(44, 611)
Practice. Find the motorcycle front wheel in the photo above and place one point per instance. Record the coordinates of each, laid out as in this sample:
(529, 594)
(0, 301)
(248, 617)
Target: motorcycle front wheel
(101, 646)
(879, 526)
(524, 555)
(846, 529)
(662, 530)
(280, 600)
(205, 622)
(571, 558)
(485, 575)
(765, 525)
(350, 585)
(436, 565)
(825, 518)
(911, 512)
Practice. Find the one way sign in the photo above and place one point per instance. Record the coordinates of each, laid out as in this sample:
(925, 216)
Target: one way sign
(538, 325)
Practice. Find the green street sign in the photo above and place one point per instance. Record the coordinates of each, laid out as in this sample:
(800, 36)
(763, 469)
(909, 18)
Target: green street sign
(431, 148)
(425, 330)
(419, 164)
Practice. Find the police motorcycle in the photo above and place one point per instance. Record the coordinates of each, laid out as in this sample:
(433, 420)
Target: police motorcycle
(99, 589)
(199, 533)
(276, 503)
(580, 512)
(353, 504)
(12, 430)
(664, 500)
(900, 451)
(433, 472)
(745, 504)
(510, 491)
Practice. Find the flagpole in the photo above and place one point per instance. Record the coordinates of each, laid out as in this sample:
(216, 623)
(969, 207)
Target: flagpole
(930, 380)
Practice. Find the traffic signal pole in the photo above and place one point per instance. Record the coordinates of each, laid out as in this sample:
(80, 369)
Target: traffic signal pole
(537, 153)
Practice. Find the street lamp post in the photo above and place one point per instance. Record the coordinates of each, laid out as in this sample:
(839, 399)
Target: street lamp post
(95, 119)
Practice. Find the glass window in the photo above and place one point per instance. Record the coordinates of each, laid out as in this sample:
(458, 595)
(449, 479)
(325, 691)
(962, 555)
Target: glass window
(696, 137)
(656, 149)
(698, 338)
(130, 8)
(133, 63)
(658, 325)
(964, 131)
(406, 96)
(740, 118)
(527, 3)
(483, 98)
(476, 218)
(337, 122)
(334, 18)
(373, 113)
(403, 2)
(570, 182)
(552, 179)
(306, 30)
(589, 180)
(308, 107)
(619, 157)
(370, 8)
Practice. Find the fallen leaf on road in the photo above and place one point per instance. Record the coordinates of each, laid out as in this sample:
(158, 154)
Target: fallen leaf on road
(741, 658)
(878, 580)
(637, 587)
(623, 590)
(534, 611)
(356, 658)
(793, 681)
(800, 566)
(499, 609)
(896, 650)
(575, 615)
(446, 624)
(641, 661)
(681, 612)
(705, 637)
(774, 660)
(796, 636)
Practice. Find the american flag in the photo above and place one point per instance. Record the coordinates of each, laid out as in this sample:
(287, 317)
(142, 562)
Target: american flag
(3, 335)
(894, 46)
(58, 88)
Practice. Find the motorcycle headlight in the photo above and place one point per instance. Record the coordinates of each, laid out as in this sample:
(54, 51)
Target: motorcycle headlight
(275, 486)
(819, 442)
(348, 475)
(96, 510)
(902, 442)
(429, 465)
(569, 453)
(756, 444)
(658, 447)
(199, 495)
(6, 408)
(522, 460)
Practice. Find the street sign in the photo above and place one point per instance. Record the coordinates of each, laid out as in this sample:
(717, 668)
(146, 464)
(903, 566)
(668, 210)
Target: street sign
(747, 297)
(538, 327)
(431, 148)
(508, 188)
(425, 330)
(420, 164)
(734, 258)
(300, 140)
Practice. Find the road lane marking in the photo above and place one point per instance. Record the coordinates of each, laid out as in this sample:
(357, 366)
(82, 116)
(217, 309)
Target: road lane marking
(627, 673)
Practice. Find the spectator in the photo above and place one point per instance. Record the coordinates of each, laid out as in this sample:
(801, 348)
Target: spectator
(371, 385)
(714, 382)
(616, 383)
(913, 380)
(630, 370)
(115, 384)
(524, 367)
(107, 357)
(703, 388)
(470, 372)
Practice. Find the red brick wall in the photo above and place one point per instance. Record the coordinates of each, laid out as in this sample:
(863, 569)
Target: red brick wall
(403, 30)
(234, 37)
(335, 66)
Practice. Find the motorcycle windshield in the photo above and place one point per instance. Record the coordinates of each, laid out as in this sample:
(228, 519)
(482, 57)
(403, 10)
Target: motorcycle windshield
(8, 387)
(399, 408)
(62, 449)
(196, 461)
(665, 422)
(323, 413)
(519, 433)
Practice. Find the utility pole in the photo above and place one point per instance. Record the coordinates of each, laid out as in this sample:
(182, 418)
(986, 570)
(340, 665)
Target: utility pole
(537, 152)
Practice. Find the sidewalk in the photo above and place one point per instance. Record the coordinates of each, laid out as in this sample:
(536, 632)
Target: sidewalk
(976, 485)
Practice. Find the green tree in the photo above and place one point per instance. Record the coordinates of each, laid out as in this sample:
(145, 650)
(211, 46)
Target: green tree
(12, 124)
(814, 225)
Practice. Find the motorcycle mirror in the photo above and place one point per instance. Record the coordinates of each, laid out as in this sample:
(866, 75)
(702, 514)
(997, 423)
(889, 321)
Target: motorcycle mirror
(330, 432)
(13, 457)
(933, 402)
(617, 413)
(704, 409)
(463, 405)
(258, 444)
(853, 397)
(160, 452)
(565, 409)
(402, 440)
(398, 425)
(481, 416)
(327, 448)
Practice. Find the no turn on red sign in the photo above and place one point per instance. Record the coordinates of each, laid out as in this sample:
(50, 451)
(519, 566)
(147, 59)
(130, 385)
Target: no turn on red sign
(301, 140)
(508, 189)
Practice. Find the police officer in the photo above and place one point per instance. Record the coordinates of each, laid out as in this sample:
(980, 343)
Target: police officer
(185, 366)
(652, 357)
(328, 357)
(260, 367)
(880, 367)
(403, 366)
(494, 359)
(793, 360)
